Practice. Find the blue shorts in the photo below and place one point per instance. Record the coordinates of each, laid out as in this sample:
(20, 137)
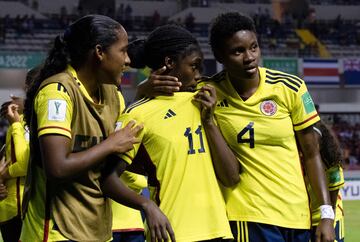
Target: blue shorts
(258, 232)
(131, 236)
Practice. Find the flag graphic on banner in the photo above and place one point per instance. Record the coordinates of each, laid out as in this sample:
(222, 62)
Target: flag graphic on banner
(321, 72)
(352, 71)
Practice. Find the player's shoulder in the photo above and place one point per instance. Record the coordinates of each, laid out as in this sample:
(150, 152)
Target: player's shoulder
(279, 78)
(216, 78)
(138, 106)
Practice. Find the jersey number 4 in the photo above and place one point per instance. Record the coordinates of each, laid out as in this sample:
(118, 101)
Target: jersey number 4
(251, 140)
(188, 134)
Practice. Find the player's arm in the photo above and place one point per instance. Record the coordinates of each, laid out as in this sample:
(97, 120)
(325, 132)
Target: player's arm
(227, 167)
(158, 84)
(60, 163)
(115, 189)
(316, 173)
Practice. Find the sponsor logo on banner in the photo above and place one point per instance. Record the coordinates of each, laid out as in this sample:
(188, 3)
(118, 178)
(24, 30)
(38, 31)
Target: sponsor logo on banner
(351, 190)
(288, 65)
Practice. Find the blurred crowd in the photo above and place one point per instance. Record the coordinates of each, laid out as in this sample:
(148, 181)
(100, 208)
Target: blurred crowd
(349, 137)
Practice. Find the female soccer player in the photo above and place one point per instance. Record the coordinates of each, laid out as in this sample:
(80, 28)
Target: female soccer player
(261, 113)
(72, 108)
(180, 144)
(14, 166)
(12, 172)
(331, 156)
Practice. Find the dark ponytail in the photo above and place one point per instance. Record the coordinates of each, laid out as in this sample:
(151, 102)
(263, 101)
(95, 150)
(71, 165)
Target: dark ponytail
(56, 62)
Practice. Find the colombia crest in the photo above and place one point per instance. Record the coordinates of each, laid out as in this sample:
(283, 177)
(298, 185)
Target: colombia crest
(268, 107)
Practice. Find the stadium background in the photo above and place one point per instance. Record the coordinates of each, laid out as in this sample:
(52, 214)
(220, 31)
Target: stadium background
(318, 40)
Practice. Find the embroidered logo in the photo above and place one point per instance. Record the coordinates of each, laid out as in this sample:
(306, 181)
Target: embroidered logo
(268, 107)
(56, 109)
(223, 103)
(170, 113)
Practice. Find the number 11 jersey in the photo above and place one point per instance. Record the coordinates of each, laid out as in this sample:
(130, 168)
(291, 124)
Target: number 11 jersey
(176, 156)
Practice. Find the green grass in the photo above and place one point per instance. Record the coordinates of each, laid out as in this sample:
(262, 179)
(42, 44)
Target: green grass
(352, 221)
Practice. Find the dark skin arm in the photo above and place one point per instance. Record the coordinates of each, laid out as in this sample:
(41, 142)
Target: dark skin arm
(61, 164)
(227, 167)
(333, 197)
(3, 191)
(158, 84)
(158, 224)
(316, 173)
(3, 170)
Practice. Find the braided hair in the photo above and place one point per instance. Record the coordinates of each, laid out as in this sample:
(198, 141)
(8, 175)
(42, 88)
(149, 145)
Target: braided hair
(169, 40)
(330, 149)
(73, 47)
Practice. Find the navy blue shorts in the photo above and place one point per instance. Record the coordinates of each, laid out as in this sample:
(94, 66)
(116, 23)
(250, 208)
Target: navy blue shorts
(133, 236)
(258, 232)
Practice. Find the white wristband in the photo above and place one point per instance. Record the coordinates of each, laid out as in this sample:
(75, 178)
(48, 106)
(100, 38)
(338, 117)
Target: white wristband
(326, 211)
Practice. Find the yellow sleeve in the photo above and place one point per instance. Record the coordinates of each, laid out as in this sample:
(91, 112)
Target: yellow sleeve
(134, 181)
(54, 109)
(303, 112)
(21, 145)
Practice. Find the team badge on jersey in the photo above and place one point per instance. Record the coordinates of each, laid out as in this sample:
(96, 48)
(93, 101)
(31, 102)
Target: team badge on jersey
(268, 107)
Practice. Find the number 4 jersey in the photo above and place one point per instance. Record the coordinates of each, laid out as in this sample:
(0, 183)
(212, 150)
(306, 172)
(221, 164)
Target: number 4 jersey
(260, 131)
(176, 155)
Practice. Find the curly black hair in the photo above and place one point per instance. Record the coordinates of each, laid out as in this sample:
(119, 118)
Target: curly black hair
(226, 25)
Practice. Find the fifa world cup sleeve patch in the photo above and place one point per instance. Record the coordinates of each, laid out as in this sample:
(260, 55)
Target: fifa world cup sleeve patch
(308, 102)
(56, 110)
(334, 175)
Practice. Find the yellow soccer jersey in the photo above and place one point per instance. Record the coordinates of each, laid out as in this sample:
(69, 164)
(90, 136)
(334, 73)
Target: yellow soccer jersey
(260, 131)
(176, 155)
(17, 150)
(126, 219)
(335, 179)
(54, 110)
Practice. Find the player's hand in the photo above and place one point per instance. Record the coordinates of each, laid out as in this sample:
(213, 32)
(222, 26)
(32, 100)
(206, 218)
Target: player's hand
(18, 101)
(3, 168)
(207, 99)
(159, 225)
(158, 84)
(325, 231)
(12, 114)
(124, 139)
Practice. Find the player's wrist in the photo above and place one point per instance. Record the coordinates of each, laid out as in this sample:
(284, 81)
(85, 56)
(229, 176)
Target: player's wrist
(327, 212)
